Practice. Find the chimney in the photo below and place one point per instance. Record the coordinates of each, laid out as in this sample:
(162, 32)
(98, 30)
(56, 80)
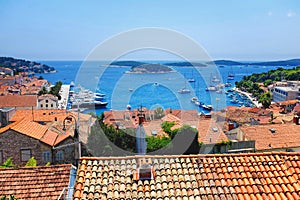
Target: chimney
(296, 120)
(230, 126)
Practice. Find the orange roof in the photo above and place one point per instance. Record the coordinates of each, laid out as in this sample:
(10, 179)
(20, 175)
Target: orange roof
(254, 176)
(36, 131)
(39, 182)
(18, 101)
(40, 115)
(210, 132)
(285, 136)
(289, 102)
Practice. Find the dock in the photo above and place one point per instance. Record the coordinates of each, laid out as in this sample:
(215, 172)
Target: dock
(248, 95)
(64, 93)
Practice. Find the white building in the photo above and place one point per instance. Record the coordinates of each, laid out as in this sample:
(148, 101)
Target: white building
(286, 93)
(47, 101)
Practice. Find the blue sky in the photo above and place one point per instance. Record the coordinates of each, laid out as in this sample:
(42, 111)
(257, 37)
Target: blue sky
(231, 29)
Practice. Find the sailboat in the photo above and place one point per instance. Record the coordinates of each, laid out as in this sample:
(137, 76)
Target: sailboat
(192, 79)
(184, 90)
(230, 75)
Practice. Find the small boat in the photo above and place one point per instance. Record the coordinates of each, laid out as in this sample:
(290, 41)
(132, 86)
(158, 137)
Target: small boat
(184, 91)
(228, 84)
(234, 100)
(219, 91)
(99, 94)
(207, 107)
(156, 84)
(211, 88)
(193, 99)
(191, 80)
(215, 79)
(130, 89)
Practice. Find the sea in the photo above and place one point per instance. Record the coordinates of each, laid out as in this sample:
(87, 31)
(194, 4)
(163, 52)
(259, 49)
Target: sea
(123, 89)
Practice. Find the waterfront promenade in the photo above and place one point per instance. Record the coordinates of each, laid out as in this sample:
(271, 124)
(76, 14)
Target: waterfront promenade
(64, 93)
(249, 96)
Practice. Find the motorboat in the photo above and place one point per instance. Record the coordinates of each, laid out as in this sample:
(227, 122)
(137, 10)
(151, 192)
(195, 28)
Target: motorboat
(211, 88)
(184, 91)
(207, 107)
(191, 80)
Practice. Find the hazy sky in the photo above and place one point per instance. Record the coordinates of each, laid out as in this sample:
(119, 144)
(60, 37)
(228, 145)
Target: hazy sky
(231, 29)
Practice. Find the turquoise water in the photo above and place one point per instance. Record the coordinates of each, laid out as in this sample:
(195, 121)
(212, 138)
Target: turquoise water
(150, 90)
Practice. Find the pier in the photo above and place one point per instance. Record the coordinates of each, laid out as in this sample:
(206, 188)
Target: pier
(248, 95)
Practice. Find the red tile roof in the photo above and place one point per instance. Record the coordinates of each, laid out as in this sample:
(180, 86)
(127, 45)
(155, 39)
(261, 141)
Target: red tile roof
(224, 176)
(285, 136)
(34, 182)
(36, 131)
(18, 101)
(210, 132)
(40, 115)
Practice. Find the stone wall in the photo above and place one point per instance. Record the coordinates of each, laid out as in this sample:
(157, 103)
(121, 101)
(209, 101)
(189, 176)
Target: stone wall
(12, 142)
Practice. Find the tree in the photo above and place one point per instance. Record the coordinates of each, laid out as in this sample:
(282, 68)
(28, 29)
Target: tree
(265, 99)
(155, 143)
(7, 163)
(31, 162)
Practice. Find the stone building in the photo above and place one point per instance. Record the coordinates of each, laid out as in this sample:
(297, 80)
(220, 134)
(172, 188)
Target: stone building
(24, 139)
(47, 101)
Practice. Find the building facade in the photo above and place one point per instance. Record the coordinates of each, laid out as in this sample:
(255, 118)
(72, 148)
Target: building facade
(285, 93)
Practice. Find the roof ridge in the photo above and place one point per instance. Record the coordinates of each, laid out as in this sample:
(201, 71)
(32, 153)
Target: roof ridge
(191, 156)
(34, 167)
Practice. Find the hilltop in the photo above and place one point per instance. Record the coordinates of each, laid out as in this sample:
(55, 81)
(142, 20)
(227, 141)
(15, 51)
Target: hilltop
(20, 65)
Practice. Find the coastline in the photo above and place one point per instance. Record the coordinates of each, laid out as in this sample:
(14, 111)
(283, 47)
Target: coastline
(248, 95)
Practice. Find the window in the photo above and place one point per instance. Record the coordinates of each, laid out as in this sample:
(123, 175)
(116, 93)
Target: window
(47, 156)
(46, 105)
(1, 156)
(25, 154)
(51, 105)
(46, 100)
(41, 105)
(59, 155)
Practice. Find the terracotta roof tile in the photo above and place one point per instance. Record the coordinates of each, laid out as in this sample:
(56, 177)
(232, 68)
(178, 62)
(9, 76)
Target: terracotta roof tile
(34, 182)
(36, 131)
(18, 101)
(285, 136)
(192, 177)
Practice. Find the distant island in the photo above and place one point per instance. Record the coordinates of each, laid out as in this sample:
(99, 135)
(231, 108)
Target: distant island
(291, 62)
(150, 68)
(186, 64)
(20, 65)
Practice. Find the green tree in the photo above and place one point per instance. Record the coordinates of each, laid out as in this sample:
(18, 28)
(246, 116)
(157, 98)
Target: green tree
(43, 91)
(155, 143)
(31, 162)
(265, 99)
(7, 163)
(167, 128)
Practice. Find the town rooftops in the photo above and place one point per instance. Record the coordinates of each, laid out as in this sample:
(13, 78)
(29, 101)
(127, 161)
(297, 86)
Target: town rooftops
(213, 176)
(18, 101)
(284, 136)
(34, 182)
